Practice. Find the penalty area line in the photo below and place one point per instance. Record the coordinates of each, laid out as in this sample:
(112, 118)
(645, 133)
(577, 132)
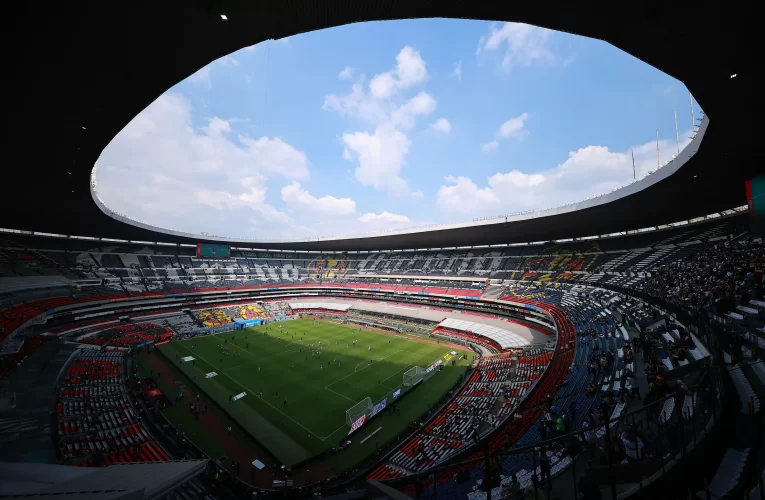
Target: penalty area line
(341, 395)
(254, 394)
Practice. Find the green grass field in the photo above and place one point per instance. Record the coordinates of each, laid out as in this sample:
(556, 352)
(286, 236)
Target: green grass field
(269, 360)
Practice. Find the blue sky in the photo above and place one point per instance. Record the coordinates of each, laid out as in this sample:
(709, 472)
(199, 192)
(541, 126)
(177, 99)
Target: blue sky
(389, 125)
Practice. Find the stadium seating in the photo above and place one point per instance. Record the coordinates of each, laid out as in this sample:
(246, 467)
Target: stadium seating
(95, 418)
(135, 269)
(550, 277)
(728, 474)
(132, 335)
(451, 429)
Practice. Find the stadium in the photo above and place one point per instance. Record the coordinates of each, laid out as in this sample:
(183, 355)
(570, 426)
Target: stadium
(605, 348)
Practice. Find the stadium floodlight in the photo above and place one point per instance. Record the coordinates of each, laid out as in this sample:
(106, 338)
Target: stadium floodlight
(364, 407)
(224, 17)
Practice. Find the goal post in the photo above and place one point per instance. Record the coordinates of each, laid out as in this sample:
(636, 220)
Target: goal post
(412, 376)
(364, 407)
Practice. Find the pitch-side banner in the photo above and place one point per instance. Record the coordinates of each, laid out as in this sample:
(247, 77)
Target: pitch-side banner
(358, 423)
(433, 366)
(378, 407)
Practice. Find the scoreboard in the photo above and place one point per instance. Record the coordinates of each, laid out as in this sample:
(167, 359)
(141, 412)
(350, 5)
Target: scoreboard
(211, 251)
(755, 199)
(755, 195)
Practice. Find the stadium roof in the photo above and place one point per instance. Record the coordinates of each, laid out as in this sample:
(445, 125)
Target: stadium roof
(112, 60)
(133, 480)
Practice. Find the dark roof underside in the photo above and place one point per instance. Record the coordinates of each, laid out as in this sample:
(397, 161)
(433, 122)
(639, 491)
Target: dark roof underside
(98, 64)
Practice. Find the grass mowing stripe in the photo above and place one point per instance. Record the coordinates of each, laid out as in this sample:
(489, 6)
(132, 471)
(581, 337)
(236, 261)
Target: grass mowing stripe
(319, 387)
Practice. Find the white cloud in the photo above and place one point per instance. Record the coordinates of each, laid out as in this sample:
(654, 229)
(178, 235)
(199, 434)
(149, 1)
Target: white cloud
(386, 217)
(252, 196)
(410, 70)
(358, 104)
(161, 170)
(276, 156)
(229, 61)
(217, 127)
(345, 74)
(381, 156)
(441, 125)
(524, 45)
(201, 77)
(512, 127)
(418, 195)
(463, 196)
(587, 172)
(295, 194)
(458, 70)
(489, 146)
(420, 105)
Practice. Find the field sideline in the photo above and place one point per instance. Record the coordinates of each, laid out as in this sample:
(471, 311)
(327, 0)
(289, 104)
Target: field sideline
(318, 389)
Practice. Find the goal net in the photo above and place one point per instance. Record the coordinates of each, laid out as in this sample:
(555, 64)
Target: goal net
(356, 411)
(412, 376)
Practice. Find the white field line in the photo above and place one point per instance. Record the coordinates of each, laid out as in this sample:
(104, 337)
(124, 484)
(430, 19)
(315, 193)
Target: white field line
(262, 399)
(333, 432)
(326, 387)
(286, 350)
(341, 395)
(368, 365)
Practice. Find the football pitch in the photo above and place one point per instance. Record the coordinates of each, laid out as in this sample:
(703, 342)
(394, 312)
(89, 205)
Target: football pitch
(296, 399)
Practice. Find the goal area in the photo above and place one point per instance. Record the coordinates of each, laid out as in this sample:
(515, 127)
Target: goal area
(412, 376)
(364, 407)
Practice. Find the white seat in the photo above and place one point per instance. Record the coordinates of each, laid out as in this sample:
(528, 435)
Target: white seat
(747, 310)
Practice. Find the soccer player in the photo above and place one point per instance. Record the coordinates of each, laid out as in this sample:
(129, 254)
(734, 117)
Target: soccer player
(285, 402)
(369, 348)
(293, 365)
(321, 367)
